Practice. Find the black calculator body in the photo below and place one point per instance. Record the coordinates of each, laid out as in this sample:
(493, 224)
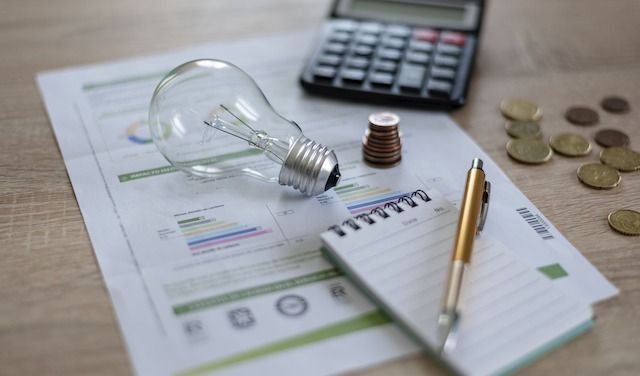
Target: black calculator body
(397, 51)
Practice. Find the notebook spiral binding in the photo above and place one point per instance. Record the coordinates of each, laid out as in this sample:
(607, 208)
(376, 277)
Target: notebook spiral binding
(381, 211)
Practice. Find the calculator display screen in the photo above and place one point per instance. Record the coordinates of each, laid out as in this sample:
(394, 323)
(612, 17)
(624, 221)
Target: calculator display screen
(437, 13)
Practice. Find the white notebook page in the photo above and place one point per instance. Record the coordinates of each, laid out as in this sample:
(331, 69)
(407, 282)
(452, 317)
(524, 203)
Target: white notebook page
(508, 310)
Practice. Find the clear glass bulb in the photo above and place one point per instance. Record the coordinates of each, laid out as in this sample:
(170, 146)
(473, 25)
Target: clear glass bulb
(207, 115)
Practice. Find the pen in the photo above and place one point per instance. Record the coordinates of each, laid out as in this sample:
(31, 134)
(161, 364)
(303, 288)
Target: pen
(473, 213)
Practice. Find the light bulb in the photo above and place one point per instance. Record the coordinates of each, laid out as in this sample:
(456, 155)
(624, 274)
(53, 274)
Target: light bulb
(206, 116)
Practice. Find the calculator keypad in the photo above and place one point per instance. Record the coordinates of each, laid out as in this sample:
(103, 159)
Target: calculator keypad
(392, 59)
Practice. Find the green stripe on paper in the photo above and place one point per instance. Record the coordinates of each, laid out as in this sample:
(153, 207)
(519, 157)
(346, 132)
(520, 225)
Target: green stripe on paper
(254, 291)
(366, 321)
(341, 188)
(205, 161)
(553, 271)
(126, 80)
(185, 221)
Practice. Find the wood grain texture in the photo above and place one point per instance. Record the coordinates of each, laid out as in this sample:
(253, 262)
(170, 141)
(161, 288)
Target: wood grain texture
(56, 316)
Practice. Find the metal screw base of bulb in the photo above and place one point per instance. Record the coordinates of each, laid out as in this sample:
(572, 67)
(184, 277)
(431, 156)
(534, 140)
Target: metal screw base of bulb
(310, 167)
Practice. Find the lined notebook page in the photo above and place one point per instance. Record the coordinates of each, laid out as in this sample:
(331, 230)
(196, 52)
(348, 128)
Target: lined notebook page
(508, 310)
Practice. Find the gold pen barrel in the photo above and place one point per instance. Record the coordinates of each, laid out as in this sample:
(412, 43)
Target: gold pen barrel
(469, 215)
(474, 197)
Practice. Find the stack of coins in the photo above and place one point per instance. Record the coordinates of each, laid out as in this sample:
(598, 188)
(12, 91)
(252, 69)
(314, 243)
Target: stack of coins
(522, 125)
(381, 145)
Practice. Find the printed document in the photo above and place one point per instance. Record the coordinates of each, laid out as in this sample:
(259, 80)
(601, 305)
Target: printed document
(225, 274)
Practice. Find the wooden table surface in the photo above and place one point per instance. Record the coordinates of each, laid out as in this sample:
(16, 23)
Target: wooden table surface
(55, 315)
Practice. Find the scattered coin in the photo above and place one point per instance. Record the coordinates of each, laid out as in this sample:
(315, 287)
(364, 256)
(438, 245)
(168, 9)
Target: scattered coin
(527, 150)
(621, 158)
(381, 145)
(570, 144)
(611, 137)
(581, 115)
(520, 109)
(625, 221)
(596, 175)
(616, 105)
(523, 129)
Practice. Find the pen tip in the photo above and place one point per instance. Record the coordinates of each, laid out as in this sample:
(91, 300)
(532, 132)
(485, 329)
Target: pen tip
(477, 163)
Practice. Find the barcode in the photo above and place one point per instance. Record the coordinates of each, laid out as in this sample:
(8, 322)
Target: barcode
(536, 223)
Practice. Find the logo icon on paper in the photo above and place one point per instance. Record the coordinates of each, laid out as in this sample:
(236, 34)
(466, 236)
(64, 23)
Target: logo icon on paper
(292, 305)
(241, 318)
(339, 292)
(194, 330)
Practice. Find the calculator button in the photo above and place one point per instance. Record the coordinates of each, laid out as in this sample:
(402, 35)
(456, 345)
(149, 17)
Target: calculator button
(389, 54)
(345, 25)
(340, 36)
(381, 78)
(358, 62)
(371, 27)
(393, 42)
(324, 72)
(439, 87)
(398, 31)
(443, 73)
(448, 49)
(367, 39)
(411, 77)
(450, 37)
(335, 48)
(444, 60)
(417, 57)
(329, 60)
(363, 50)
(427, 35)
(384, 66)
(355, 75)
(420, 46)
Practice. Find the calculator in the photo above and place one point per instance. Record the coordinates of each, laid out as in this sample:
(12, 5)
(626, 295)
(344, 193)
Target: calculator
(400, 51)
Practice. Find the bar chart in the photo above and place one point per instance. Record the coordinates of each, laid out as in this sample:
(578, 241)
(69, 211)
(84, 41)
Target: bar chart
(362, 198)
(204, 234)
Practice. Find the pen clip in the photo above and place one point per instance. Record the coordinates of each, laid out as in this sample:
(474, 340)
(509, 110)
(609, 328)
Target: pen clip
(484, 210)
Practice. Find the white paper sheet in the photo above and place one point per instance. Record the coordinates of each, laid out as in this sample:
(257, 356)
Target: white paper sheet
(187, 310)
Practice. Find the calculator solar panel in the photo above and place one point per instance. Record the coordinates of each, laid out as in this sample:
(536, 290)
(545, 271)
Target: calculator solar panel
(388, 62)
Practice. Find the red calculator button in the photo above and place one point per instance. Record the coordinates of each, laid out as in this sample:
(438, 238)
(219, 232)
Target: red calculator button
(427, 35)
(450, 37)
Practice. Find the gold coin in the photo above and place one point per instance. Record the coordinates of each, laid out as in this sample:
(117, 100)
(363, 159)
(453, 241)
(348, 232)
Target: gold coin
(570, 144)
(523, 129)
(527, 150)
(621, 158)
(596, 175)
(520, 109)
(625, 221)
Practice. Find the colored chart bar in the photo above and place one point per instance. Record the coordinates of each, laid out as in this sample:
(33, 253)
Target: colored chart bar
(202, 233)
(362, 198)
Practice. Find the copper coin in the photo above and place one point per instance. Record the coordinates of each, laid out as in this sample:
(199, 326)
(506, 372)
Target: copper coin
(611, 137)
(580, 115)
(382, 161)
(376, 149)
(381, 155)
(382, 143)
(616, 105)
(381, 135)
(375, 128)
(384, 119)
(383, 165)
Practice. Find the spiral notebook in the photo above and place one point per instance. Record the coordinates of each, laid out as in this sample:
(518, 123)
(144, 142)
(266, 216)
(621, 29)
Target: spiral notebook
(399, 256)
